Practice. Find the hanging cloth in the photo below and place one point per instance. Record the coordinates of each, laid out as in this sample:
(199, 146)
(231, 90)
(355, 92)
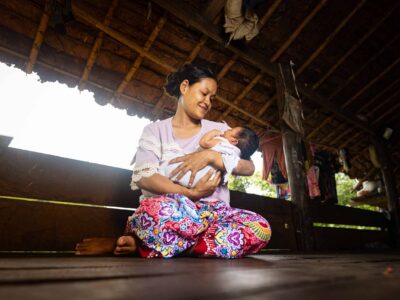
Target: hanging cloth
(292, 109)
(238, 24)
(272, 147)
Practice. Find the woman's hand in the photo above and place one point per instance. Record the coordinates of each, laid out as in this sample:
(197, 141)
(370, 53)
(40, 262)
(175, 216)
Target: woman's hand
(206, 186)
(194, 162)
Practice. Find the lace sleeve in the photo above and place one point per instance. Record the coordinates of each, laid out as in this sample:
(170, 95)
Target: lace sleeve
(147, 158)
(145, 170)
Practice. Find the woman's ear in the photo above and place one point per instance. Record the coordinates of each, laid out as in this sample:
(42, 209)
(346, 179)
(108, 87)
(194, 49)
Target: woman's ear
(184, 86)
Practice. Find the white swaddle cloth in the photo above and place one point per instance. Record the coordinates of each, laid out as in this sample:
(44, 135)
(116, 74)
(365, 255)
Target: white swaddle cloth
(230, 157)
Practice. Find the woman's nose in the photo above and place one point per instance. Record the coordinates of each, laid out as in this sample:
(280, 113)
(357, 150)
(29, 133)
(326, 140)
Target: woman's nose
(208, 100)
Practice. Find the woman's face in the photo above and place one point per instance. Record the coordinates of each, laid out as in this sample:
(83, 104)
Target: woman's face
(197, 98)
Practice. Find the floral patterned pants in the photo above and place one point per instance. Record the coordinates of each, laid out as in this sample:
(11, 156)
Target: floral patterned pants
(167, 225)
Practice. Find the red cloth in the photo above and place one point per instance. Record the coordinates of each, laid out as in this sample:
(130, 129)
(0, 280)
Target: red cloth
(271, 145)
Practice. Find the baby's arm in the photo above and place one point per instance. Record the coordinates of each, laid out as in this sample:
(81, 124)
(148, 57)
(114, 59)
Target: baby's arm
(208, 140)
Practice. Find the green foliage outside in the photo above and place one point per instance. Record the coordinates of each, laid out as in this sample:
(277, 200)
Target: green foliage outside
(255, 185)
(252, 184)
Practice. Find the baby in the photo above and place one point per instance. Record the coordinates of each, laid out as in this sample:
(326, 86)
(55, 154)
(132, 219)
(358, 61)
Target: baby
(233, 144)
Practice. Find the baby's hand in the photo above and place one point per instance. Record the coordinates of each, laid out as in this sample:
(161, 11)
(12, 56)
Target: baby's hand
(215, 133)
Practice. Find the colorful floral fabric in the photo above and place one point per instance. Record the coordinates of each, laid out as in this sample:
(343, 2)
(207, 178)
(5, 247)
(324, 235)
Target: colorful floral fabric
(170, 224)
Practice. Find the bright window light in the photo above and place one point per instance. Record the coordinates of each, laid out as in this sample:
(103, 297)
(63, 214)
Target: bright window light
(54, 119)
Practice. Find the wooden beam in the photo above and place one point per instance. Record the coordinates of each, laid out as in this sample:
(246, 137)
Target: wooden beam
(376, 97)
(381, 103)
(317, 51)
(256, 119)
(39, 37)
(333, 132)
(227, 66)
(122, 39)
(347, 116)
(355, 96)
(360, 153)
(87, 18)
(264, 19)
(262, 23)
(339, 137)
(387, 112)
(277, 54)
(96, 46)
(354, 75)
(320, 125)
(178, 9)
(242, 94)
(372, 82)
(363, 67)
(297, 31)
(325, 43)
(355, 46)
(352, 138)
(138, 61)
(214, 9)
(294, 161)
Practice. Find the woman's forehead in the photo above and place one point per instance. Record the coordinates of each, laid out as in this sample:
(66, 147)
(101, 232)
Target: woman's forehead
(208, 83)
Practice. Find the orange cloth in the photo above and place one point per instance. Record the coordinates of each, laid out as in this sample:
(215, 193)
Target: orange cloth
(271, 146)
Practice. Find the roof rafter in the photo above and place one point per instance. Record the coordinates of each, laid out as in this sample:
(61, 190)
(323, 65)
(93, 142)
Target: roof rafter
(138, 61)
(330, 37)
(354, 47)
(119, 37)
(96, 46)
(363, 67)
(39, 37)
(355, 96)
(276, 56)
(297, 31)
(372, 82)
(387, 112)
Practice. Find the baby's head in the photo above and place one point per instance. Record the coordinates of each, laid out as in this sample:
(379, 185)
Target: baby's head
(244, 138)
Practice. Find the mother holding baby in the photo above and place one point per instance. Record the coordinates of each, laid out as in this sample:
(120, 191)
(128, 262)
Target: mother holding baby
(196, 219)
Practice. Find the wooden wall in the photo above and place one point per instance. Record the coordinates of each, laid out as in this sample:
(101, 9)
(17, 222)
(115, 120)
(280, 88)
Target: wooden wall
(68, 186)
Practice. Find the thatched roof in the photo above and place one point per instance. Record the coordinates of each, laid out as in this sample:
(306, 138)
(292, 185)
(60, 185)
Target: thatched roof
(345, 52)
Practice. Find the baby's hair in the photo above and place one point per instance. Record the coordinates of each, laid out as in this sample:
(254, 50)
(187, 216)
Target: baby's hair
(190, 72)
(247, 142)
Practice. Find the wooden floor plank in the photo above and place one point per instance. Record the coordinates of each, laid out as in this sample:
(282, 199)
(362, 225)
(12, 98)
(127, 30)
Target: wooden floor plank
(289, 276)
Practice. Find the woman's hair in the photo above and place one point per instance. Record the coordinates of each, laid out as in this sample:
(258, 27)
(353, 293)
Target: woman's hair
(190, 72)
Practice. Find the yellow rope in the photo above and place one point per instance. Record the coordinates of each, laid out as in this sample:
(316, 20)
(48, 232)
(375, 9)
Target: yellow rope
(64, 203)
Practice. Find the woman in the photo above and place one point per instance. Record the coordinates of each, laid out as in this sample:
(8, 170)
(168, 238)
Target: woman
(173, 219)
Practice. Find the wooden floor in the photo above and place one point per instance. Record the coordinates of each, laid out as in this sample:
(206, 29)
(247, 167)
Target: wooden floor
(265, 276)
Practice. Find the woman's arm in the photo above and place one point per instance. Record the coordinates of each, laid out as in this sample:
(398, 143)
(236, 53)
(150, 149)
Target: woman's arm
(159, 184)
(196, 161)
(244, 167)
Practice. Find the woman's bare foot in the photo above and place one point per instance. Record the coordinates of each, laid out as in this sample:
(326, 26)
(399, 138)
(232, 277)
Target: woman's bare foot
(95, 246)
(125, 245)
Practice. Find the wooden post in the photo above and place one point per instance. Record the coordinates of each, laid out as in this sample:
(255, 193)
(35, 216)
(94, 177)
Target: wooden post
(295, 166)
(390, 189)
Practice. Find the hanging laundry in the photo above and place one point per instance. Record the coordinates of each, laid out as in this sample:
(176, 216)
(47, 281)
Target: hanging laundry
(327, 166)
(238, 24)
(271, 147)
(312, 179)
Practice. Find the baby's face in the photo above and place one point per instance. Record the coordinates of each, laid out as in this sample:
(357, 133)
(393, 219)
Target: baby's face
(231, 134)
